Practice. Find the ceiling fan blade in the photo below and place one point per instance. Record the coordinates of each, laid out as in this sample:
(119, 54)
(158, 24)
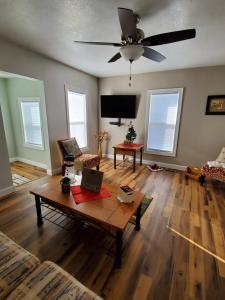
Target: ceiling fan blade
(128, 21)
(153, 55)
(115, 57)
(99, 43)
(169, 37)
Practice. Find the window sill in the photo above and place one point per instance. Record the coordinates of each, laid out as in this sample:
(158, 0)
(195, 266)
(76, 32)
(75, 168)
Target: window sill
(34, 147)
(161, 153)
(84, 149)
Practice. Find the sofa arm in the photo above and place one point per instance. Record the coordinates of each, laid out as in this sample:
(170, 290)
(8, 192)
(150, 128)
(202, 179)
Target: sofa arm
(49, 281)
(15, 265)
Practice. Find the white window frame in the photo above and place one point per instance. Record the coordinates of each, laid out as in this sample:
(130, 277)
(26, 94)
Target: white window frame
(157, 92)
(25, 144)
(77, 91)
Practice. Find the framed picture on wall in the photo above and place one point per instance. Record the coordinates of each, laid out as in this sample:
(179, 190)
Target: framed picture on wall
(215, 105)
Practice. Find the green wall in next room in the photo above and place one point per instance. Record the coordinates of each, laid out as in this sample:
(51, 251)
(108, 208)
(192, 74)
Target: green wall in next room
(16, 88)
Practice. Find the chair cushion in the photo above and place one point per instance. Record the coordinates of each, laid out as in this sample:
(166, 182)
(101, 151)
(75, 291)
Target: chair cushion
(49, 281)
(221, 157)
(71, 146)
(15, 265)
(88, 160)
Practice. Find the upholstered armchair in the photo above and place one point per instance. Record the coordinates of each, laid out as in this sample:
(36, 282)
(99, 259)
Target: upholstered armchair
(82, 160)
(214, 169)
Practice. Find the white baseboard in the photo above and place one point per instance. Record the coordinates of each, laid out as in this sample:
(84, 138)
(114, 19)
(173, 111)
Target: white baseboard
(53, 172)
(6, 191)
(37, 164)
(12, 159)
(30, 162)
(147, 162)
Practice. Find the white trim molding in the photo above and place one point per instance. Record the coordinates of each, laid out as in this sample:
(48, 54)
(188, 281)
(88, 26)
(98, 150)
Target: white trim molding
(147, 162)
(53, 172)
(30, 162)
(8, 190)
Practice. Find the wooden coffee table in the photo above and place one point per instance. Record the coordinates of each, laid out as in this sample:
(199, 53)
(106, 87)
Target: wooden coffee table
(128, 150)
(107, 212)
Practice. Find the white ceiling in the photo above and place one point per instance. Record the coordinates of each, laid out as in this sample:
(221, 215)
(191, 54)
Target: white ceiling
(50, 27)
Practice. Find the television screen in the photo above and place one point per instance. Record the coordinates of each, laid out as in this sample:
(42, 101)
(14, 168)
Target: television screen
(118, 106)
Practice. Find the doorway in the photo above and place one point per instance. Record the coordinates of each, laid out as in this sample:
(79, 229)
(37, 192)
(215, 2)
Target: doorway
(22, 102)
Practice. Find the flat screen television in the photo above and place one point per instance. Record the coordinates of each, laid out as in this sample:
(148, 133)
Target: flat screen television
(118, 106)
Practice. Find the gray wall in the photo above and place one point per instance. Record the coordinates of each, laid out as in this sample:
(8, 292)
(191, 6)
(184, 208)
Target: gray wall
(201, 137)
(55, 75)
(5, 175)
(17, 60)
(7, 121)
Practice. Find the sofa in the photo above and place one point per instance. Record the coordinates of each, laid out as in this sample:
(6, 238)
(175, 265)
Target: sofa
(23, 276)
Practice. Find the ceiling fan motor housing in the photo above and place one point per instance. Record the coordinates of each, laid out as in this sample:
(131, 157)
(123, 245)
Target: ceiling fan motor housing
(139, 36)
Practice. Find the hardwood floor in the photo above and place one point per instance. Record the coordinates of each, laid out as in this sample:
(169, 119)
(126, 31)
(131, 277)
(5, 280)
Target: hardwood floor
(177, 254)
(28, 171)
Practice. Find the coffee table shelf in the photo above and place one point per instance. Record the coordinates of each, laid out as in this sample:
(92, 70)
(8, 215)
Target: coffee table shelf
(70, 223)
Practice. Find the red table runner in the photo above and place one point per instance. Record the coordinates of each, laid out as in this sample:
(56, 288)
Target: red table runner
(82, 195)
(131, 145)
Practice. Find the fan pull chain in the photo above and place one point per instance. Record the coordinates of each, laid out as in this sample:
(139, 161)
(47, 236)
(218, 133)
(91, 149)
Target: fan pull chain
(130, 73)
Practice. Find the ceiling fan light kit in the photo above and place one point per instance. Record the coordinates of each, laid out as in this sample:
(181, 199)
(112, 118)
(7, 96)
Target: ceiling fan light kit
(131, 52)
(133, 42)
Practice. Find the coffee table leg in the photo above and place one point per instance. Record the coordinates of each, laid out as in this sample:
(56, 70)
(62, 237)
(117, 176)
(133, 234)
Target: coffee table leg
(38, 210)
(114, 158)
(138, 218)
(134, 161)
(119, 246)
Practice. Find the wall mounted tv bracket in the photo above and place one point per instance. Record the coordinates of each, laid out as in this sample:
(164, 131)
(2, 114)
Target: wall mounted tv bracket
(118, 123)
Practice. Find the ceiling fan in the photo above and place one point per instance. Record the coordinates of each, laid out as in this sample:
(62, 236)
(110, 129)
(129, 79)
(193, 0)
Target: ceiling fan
(133, 42)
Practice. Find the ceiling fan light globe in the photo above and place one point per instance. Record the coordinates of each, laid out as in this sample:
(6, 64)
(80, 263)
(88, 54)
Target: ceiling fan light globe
(131, 52)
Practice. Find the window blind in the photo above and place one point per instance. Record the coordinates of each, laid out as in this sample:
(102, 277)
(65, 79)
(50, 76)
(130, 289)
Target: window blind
(77, 117)
(32, 123)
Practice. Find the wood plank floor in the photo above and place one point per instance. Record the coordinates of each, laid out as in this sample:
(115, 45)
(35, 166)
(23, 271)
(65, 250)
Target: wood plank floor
(26, 170)
(158, 263)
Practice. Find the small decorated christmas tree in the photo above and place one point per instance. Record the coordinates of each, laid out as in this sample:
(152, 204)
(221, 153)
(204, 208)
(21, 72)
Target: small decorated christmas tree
(131, 134)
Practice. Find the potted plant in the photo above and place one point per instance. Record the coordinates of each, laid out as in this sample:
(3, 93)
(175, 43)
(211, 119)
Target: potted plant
(131, 134)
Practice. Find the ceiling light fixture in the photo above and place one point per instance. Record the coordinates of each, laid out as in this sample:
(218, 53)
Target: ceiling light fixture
(131, 53)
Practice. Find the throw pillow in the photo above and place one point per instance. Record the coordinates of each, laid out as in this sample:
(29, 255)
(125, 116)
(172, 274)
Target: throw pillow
(71, 146)
(221, 157)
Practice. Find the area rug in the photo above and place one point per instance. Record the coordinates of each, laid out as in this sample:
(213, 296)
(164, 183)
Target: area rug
(19, 180)
(145, 204)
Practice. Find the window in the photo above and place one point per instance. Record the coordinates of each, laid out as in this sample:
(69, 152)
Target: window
(164, 108)
(77, 119)
(31, 122)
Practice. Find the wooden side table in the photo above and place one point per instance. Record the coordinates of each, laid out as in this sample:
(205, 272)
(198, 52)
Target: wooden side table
(130, 150)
